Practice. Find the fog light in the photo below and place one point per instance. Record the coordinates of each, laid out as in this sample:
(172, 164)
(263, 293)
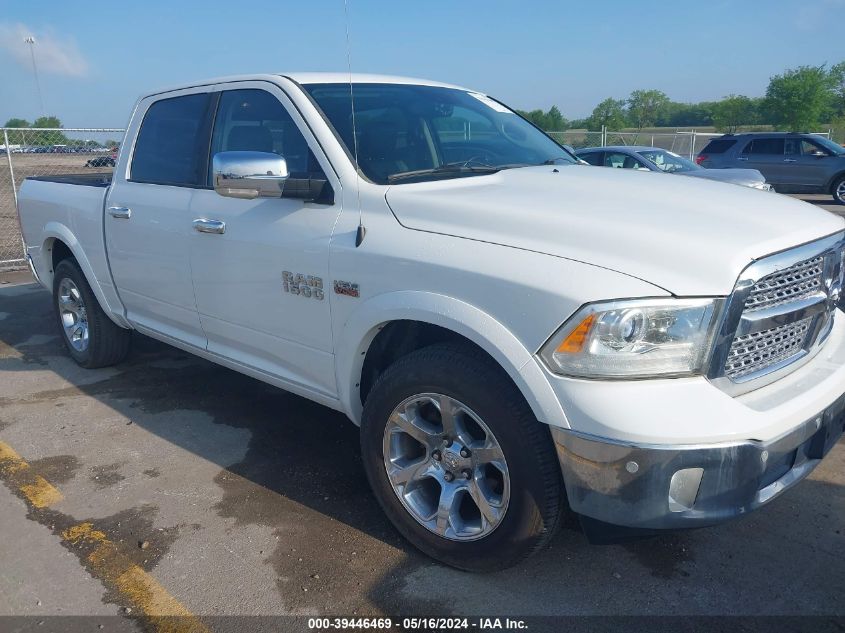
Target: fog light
(683, 489)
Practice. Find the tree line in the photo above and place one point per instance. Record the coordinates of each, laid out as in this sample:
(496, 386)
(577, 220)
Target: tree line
(19, 137)
(800, 99)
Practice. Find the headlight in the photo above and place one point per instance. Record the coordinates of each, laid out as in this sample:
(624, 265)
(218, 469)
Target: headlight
(634, 339)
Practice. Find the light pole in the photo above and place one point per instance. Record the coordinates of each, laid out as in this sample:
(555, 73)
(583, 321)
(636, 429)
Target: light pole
(31, 41)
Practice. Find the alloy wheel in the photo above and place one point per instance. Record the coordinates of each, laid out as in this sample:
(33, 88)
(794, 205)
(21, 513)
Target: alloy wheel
(446, 467)
(73, 315)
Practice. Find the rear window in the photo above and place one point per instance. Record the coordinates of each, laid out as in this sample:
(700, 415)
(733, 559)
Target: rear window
(167, 149)
(594, 158)
(764, 146)
(718, 146)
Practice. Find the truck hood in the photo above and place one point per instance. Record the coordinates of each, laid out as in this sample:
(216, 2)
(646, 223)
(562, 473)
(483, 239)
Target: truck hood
(746, 177)
(688, 236)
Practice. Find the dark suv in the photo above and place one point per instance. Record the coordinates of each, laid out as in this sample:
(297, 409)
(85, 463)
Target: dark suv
(792, 163)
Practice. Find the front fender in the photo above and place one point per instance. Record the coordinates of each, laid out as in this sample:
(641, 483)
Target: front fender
(364, 323)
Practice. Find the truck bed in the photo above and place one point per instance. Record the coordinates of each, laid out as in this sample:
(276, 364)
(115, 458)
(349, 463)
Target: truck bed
(69, 208)
(88, 180)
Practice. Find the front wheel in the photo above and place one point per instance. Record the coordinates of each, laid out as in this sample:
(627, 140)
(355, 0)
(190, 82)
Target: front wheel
(91, 338)
(457, 460)
(839, 190)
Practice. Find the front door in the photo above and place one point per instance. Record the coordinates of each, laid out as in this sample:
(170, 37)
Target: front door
(262, 285)
(808, 164)
(147, 219)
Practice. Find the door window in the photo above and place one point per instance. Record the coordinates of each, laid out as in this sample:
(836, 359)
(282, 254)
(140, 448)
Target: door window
(167, 150)
(809, 148)
(594, 158)
(623, 161)
(255, 120)
(772, 146)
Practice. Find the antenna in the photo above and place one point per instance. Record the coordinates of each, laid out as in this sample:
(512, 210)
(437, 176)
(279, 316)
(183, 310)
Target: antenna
(359, 236)
(31, 41)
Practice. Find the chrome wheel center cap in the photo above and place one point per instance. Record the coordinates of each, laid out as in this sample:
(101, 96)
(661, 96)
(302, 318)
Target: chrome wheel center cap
(451, 460)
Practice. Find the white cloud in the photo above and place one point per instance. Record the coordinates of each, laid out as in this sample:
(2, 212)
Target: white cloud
(54, 53)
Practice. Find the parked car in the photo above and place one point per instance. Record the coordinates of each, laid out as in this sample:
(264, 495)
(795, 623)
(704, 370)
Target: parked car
(792, 163)
(571, 150)
(100, 161)
(656, 159)
(510, 329)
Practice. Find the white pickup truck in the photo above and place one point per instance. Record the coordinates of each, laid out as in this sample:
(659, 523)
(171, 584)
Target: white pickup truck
(514, 332)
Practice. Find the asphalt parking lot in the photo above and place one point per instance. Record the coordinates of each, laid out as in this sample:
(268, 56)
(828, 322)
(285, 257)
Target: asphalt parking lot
(171, 485)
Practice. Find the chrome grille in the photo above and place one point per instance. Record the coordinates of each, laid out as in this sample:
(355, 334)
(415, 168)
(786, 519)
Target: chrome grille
(781, 312)
(757, 351)
(791, 284)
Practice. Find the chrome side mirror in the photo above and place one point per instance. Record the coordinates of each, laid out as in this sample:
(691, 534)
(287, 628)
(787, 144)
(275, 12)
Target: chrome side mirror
(249, 175)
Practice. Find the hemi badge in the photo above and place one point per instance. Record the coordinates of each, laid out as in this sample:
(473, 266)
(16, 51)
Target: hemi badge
(346, 288)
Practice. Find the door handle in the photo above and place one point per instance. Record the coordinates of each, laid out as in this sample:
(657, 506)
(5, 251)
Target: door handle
(122, 213)
(204, 225)
(790, 160)
(742, 158)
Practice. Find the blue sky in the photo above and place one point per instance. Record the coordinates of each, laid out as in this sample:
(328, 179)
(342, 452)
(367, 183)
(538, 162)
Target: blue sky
(95, 59)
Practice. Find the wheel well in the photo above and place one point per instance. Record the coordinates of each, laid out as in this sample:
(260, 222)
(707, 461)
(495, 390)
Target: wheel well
(833, 180)
(58, 252)
(399, 338)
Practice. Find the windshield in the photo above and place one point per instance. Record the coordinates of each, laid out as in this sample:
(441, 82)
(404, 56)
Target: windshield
(829, 145)
(412, 133)
(668, 161)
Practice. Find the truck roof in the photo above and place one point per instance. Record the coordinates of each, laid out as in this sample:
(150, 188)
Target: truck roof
(312, 78)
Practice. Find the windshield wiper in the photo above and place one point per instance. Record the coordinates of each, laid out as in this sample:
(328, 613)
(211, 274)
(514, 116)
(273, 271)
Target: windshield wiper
(444, 170)
(552, 161)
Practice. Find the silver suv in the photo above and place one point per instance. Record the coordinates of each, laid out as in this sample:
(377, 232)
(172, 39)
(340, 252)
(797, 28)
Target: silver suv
(792, 163)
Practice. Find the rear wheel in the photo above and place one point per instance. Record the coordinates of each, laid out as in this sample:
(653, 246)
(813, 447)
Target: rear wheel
(91, 338)
(839, 190)
(458, 461)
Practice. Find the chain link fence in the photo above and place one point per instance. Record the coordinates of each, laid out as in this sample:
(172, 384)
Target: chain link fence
(45, 152)
(684, 143)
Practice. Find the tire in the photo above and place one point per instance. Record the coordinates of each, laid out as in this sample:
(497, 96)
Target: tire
(92, 338)
(838, 190)
(530, 504)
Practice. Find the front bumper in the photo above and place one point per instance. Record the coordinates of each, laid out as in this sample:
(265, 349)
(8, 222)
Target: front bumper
(670, 487)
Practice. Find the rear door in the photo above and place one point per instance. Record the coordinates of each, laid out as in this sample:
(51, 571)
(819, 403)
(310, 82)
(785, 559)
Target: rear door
(262, 285)
(766, 155)
(148, 222)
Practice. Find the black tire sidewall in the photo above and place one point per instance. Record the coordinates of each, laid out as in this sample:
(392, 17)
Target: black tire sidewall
(69, 269)
(836, 186)
(484, 389)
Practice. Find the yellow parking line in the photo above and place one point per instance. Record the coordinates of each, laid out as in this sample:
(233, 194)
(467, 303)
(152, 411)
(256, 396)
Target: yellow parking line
(142, 591)
(139, 590)
(35, 488)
